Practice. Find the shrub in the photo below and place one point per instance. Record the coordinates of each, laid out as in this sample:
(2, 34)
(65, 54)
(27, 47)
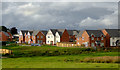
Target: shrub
(104, 59)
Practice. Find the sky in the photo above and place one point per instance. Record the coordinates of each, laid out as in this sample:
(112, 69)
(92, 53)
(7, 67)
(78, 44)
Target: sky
(60, 15)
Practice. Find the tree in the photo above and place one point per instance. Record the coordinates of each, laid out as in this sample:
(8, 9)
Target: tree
(13, 30)
(3, 28)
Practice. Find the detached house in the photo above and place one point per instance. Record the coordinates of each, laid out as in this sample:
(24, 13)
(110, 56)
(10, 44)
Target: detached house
(22, 35)
(5, 36)
(91, 38)
(39, 37)
(112, 37)
(28, 37)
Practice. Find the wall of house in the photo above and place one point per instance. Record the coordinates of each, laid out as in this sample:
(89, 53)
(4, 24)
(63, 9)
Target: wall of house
(40, 38)
(113, 40)
(51, 38)
(57, 37)
(65, 36)
(20, 37)
(107, 38)
(3, 37)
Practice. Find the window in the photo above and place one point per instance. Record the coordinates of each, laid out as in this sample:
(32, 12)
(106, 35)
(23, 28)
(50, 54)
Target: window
(33, 41)
(28, 36)
(92, 38)
(37, 36)
(97, 38)
(48, 36)
(78, 38)
(78, 43)
(48, 41)
(41, 36)
(92, 44)
(102, 38)
(34, 37)
(41, 41)
(38, 41)
(113, 43)
(82, 38)
(102, 44)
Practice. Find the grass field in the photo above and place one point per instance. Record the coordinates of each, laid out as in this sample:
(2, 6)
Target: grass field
(56, 61)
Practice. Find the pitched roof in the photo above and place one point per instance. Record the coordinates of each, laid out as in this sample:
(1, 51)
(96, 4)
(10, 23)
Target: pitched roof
(80, 34)
(30, 32)
(35, 32)
(60, 31)
(44, 32)
(24, 31)
(5, 33)
(97, 33)
(113, 32)
(73, 32)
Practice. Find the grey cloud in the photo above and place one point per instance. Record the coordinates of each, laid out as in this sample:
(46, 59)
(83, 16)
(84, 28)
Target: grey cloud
(52, 15)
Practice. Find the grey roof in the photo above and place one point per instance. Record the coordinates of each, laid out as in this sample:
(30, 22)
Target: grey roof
(60, 31)
(80, 34)
(73, 32)
(35, 32)
(5, 33)
(97, 33)
(44, 32)
(113, 32)
(24, 31)
(53, 31)
(30, 32)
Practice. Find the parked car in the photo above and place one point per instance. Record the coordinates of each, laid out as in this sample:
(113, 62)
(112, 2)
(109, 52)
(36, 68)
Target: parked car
(35, 44)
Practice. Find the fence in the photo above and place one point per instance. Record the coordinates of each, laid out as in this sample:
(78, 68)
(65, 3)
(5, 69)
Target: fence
(66, 44)
(5, 51)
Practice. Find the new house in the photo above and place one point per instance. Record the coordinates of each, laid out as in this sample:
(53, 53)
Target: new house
(112, 37)
(60, 35)
(28, 37)
(5, 36)
(39, 37)
(22, 35)
(91, 38)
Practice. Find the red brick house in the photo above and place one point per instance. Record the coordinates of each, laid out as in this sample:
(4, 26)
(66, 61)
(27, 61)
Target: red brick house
(112, 37)
(72, 35)
(91, 38)
(5, 36)
(39, 37)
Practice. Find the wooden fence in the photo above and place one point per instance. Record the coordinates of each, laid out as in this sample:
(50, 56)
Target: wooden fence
(5, 51)
(66, 44)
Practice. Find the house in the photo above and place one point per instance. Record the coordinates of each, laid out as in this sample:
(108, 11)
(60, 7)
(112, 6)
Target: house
(112, 37)
(5, 36)
(91, 38)
(28, 37)
(72, 35)
(39, 37)
(22, 35)
(50, 36)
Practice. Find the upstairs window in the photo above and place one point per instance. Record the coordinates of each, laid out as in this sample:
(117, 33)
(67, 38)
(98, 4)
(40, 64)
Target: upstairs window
(37, 36)
(41, 36)
(92, 38)
(78, 38)
(102, 38)
(82, 38)
(48, 36)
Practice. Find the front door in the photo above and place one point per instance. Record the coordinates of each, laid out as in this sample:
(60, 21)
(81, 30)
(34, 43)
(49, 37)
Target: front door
(51, 42)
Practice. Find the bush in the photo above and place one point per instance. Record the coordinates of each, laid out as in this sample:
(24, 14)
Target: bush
(104, 59)
(48, 51)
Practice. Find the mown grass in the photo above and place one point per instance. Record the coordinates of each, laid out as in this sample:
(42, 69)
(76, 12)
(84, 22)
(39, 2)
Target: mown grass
(30, 57)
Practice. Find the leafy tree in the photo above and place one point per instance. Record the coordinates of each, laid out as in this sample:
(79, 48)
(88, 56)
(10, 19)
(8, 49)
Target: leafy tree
(13, 30)
(3, 28)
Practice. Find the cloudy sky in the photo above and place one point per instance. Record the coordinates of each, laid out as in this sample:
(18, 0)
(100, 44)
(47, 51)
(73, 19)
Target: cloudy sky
(60, 15)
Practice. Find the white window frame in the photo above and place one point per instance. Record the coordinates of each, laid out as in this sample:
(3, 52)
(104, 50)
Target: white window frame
(37, 36)
(41, 36)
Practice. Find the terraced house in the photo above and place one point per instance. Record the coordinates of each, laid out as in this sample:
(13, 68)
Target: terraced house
(91, 38)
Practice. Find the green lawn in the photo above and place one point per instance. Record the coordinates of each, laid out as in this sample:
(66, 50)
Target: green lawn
(59, 61)
(54, 62)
